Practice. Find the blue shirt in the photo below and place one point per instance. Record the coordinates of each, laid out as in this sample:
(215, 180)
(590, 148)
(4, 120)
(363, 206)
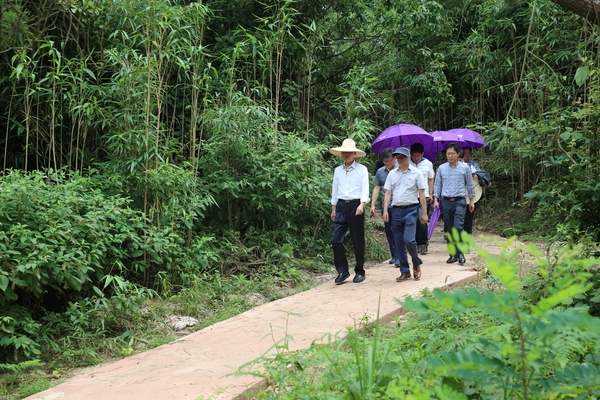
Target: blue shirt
(405, 185)
(474, 164)
(379, 180)
(453, 181)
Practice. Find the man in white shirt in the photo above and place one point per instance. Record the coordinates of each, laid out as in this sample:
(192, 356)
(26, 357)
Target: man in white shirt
(426, 167)
(349, 195)
(406, 185)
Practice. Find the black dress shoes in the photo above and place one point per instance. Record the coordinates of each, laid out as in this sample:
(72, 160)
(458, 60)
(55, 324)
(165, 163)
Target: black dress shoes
(358, 278)
(461, 259)
(342, 277)
(452, 259)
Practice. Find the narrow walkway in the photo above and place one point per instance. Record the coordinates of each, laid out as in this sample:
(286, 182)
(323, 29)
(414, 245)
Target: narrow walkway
(199, 366)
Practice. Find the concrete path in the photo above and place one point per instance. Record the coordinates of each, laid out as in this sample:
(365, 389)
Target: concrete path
(199, 366)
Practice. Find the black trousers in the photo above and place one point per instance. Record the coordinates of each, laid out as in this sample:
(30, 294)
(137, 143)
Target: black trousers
(346, 220)
(468, 226)
(422, 228)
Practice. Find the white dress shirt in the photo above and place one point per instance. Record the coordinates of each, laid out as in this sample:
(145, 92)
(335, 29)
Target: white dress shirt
(350, 183)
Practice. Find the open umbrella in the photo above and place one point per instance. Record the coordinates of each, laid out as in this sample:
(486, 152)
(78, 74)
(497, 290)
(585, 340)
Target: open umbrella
(442, 138)
(402, 135)
(471, 138)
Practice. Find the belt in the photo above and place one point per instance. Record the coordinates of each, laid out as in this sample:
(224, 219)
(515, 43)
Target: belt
(349, 201)
(407, 206)
(452, 198)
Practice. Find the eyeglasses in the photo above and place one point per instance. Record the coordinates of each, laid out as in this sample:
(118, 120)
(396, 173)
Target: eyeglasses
(451, 153)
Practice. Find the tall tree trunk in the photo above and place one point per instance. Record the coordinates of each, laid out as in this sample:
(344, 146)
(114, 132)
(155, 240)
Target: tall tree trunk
(588, 9)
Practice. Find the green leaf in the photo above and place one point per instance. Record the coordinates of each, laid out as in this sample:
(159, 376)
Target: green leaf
(581, 75)
(137, 253)
(3, 282)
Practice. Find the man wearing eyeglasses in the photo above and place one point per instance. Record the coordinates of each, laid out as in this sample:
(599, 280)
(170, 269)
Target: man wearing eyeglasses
(452, 180)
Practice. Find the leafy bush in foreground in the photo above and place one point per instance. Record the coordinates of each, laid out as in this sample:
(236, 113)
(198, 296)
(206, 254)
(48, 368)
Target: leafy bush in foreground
(62, 239)
(462, 344)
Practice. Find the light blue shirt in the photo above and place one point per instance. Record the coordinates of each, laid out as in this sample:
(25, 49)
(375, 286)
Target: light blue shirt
(474, 164)
(405, 185)
(453, 181)
(379, 180)
(350, 183)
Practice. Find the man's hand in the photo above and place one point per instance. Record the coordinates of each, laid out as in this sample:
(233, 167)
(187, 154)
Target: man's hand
(360, 210)
(471, 206)
(435, 203)
(386, 217)
(372, 210)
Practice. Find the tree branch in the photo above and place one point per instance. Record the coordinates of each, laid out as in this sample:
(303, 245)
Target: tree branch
(588, 9)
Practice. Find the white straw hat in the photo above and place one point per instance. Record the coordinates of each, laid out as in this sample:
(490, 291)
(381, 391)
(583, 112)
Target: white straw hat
(348, 146)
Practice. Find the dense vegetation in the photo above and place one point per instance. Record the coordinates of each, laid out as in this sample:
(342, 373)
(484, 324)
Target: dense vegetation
(148, 147)
(494, 340)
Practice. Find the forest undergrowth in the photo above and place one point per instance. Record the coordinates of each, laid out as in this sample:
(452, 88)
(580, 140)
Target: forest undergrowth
(217, 296)
(98, 337)
(210, 299)
(527, 330)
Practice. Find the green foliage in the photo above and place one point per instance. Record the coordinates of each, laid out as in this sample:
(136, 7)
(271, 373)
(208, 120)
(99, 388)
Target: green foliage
(464, 344)
(264, 181)
(57, 235)
(357, 103)
(61, 240)
(16, 329)
(210, 125)
(560, 263)
(15, 382)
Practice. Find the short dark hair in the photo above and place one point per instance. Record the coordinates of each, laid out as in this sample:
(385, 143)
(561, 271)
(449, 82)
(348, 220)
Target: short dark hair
(417, 148)
(454, 147)
(387, 153)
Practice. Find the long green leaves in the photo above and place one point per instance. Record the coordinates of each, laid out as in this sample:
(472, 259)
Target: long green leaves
(502, 344)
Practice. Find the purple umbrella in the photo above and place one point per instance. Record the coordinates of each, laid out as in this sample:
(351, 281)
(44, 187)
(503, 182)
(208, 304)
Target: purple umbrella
(435, 216)
(442, 138)
(402, 135)
(471, 138)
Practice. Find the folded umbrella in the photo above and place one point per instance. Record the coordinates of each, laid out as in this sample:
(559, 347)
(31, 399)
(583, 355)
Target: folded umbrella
(435, 216)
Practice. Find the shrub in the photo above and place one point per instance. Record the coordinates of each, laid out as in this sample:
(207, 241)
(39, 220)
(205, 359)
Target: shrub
(62, 240)
(463, 345)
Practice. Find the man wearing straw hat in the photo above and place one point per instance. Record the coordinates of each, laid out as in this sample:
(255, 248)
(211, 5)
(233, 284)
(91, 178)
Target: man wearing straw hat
(349, 195)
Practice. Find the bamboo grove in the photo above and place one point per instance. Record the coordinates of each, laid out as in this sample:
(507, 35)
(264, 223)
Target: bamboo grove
(188, 121)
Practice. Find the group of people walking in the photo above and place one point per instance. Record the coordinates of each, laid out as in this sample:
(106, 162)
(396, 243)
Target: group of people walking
(407, 187)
